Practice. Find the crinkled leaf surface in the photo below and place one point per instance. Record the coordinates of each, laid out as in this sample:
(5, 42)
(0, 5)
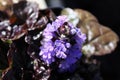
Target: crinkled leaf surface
(101, 40)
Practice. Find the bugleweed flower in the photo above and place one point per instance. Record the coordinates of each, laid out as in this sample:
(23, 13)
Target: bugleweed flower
(61, 40)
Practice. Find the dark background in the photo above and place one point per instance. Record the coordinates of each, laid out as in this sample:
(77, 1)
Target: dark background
(108, 14)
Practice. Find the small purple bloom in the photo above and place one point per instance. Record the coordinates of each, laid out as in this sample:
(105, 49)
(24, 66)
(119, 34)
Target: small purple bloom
(49, 28)
(60, 49)
(47, 52)
(74, 55)
(66, 47)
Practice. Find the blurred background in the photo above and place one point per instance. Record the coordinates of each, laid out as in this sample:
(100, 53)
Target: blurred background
(108, 14)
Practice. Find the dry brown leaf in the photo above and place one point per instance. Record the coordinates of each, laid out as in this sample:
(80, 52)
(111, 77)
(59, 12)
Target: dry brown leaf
(101, 40)
(85, 15)
(4, 4)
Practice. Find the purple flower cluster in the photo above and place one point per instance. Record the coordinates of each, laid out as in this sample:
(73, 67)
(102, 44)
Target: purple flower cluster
(61, 40)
